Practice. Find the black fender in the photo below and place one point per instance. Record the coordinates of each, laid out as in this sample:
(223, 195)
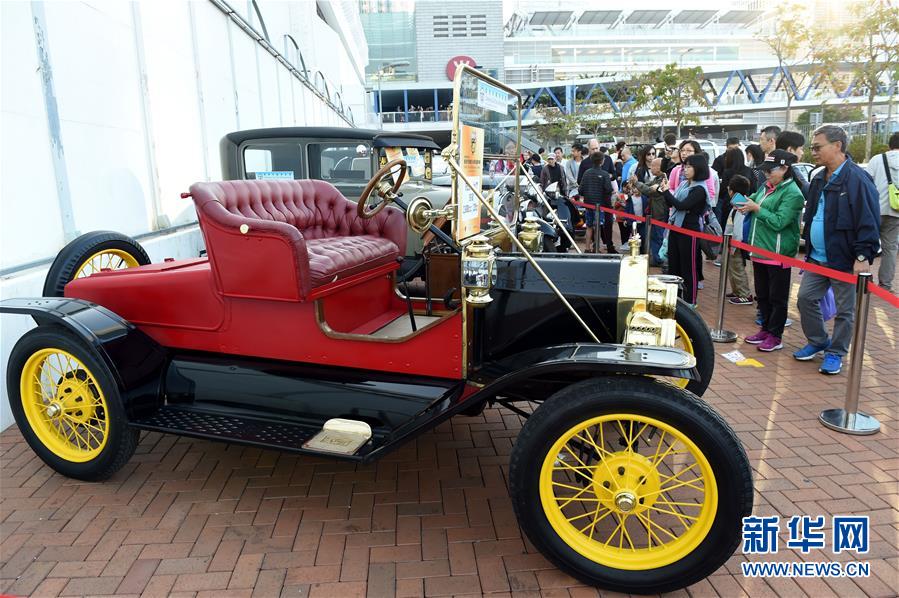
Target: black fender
(547, 229)
(570, 363)
(136, 361)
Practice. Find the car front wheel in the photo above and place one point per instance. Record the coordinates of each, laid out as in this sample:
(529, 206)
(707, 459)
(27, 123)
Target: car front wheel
(67, 405)
(630, 484)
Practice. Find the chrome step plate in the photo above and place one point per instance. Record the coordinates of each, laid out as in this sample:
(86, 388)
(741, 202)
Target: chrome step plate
(340, 436)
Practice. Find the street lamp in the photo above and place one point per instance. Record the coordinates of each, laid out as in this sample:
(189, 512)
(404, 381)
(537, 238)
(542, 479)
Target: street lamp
(387, 67)
(680, 59)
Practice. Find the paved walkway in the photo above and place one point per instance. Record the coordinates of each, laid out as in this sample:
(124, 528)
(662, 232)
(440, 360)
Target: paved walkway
(189, 517)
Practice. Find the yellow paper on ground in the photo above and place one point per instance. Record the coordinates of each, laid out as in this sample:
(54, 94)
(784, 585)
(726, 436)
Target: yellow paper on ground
(750, 362)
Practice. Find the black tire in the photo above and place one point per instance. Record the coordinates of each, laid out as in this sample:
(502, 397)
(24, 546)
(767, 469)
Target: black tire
(703, 348)
(642, 397)
(121, 439)
(73, 256)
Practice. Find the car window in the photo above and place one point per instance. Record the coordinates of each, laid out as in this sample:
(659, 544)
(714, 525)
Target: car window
(340, 162)
(272, 160)
(256, 159)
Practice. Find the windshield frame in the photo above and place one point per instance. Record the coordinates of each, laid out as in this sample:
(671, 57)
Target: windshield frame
(466, 71)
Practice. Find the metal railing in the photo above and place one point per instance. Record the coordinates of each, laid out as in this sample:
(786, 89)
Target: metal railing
(417, 116)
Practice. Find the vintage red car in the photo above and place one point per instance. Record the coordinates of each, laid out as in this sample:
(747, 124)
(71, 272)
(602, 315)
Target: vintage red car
(296, 333)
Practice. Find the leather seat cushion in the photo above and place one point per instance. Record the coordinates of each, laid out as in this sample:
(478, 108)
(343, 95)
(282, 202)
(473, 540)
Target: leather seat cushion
(334, 258)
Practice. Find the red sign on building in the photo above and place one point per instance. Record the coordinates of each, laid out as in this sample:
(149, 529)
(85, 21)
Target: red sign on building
(455, 62)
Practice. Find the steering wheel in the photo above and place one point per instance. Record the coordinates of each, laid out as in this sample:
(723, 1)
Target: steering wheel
(385, 191)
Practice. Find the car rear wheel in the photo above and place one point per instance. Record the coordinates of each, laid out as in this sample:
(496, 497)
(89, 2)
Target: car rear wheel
(692, 336)
(630, 484)
(67, 405)
(91, 253)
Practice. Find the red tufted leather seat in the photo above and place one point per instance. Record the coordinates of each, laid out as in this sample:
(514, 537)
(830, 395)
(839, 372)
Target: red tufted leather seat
(302, 234)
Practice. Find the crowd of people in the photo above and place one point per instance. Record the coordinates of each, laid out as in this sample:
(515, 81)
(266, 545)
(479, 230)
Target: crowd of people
(845, 215)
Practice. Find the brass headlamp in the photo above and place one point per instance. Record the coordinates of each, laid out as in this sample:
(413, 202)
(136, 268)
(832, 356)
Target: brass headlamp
(478, 271)
(531, 236)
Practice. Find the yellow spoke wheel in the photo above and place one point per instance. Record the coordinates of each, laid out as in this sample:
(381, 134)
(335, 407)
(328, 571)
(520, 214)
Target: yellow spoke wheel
(92, 253)
(64, 405)
(692, 336)
(63, 395)
(630, 484)
(682, 341)
(628, 491)
(107, 259)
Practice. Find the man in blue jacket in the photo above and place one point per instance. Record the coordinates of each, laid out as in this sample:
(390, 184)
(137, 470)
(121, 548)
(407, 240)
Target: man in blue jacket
(842, 222)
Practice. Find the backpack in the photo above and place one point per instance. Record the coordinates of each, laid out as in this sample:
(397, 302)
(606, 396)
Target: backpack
(891, 186)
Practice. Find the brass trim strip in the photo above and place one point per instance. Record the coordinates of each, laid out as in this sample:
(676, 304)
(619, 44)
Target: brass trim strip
(459, 174)
(331, 333)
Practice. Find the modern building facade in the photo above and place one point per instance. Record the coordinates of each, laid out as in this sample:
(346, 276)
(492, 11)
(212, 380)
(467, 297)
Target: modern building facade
(571, 42)
(414, 48)
(524, 44)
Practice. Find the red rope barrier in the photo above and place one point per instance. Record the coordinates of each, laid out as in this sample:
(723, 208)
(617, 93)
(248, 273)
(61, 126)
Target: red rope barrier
(782, 259)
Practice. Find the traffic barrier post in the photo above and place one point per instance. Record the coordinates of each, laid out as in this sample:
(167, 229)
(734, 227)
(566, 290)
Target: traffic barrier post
(596, 229)
(719, 334)
(849, 419)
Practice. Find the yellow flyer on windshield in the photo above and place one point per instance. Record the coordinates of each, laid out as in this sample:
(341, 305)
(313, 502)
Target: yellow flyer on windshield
(471, 152)
(395, 153)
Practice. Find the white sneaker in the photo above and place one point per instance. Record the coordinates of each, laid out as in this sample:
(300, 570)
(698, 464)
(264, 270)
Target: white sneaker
(789, 322)
(699, 285)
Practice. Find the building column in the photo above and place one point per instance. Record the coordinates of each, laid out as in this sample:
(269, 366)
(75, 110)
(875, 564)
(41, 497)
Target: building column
(406, 105)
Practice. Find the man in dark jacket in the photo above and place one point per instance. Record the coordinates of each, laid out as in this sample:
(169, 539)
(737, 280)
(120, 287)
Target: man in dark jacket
(718, 163)
(794, 142)
(842, 232)
(587, 163)
(596, 189)
(553, 173)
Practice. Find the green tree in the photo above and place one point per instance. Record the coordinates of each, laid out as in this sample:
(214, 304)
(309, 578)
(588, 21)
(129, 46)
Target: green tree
(597, 113)
(832, 114)
(788, 40)
(869, 43)
(557, 126)
(669, 91)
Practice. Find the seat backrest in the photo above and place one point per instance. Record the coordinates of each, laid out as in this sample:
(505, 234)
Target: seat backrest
(315, 208)
(280, 215)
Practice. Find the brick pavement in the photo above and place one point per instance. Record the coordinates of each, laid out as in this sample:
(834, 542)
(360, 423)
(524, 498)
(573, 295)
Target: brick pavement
(196, 518)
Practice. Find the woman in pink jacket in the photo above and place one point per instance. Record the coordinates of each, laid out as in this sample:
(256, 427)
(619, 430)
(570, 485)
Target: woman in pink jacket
(688, 148)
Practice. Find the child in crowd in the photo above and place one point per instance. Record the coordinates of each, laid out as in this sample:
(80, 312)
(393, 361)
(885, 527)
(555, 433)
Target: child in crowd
(738, 187)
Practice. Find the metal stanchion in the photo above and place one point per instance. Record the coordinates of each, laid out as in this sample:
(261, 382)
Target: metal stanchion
(719, 334)
(849, 419)
(647, 232)
(596, 229)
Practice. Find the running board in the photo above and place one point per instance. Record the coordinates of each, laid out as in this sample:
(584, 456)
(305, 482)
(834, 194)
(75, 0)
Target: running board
(347, 439)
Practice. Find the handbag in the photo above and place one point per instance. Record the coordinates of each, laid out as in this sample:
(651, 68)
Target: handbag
(891, 186)
(828, 305)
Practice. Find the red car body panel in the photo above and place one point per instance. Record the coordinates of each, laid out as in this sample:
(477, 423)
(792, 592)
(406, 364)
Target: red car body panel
(178, 304)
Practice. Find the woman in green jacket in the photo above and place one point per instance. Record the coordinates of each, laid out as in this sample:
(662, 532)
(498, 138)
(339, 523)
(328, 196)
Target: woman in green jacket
(775, 210)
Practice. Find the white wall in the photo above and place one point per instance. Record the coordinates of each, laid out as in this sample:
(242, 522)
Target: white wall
(144, 91)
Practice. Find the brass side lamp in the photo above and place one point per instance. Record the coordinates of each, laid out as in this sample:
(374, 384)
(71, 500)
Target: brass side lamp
(478, 270)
